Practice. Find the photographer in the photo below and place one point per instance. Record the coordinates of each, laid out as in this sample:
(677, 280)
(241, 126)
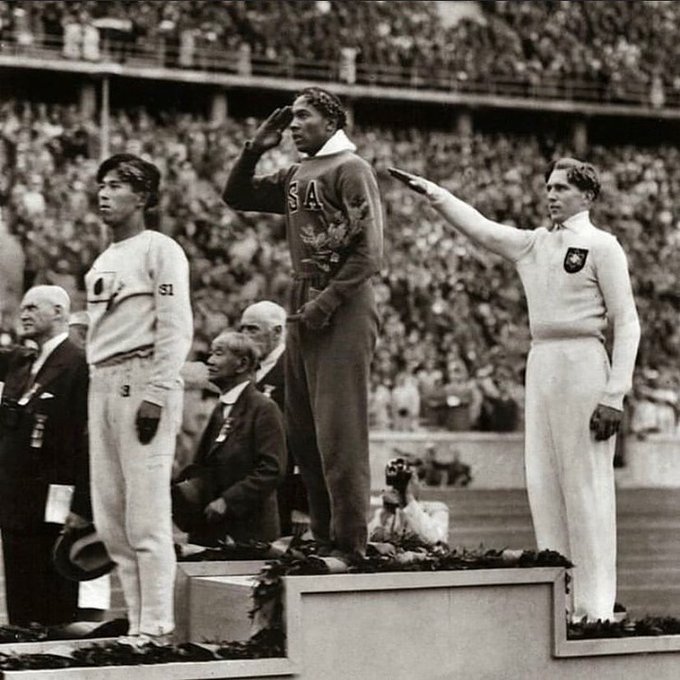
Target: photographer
(403, 517)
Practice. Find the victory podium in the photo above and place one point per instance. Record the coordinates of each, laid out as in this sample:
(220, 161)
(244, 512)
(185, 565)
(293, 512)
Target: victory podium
(483, 623)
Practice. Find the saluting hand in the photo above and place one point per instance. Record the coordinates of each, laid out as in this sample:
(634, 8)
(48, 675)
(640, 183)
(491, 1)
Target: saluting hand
(605, 422)
(270, 132)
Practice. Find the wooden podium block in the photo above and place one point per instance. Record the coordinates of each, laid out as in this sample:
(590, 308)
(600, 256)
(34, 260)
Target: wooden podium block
(188, 572)
(219, 608)
(487, 624)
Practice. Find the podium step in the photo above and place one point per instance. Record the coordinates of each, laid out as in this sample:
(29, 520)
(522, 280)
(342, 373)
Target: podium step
(504, 623)
(194, 608)
(219, 608)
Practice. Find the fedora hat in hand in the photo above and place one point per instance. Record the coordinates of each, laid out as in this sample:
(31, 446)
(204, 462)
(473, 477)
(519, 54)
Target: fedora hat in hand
(79, 555)
(189, 498)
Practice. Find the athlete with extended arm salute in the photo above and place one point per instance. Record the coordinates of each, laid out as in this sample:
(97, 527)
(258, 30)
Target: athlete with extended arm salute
(576, 281)
(334, 229)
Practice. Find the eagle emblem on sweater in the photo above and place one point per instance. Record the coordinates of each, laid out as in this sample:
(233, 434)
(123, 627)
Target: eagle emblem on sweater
(328, 246)
(575, 260)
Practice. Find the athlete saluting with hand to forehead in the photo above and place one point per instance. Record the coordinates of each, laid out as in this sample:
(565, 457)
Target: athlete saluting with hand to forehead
(334, 229)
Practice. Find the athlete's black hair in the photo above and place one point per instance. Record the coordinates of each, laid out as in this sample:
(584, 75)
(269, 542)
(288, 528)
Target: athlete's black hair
(582, 175)
(327, 103)
(143, 177)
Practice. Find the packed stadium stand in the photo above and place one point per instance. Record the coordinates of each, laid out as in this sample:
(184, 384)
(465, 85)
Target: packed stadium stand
(454, 335)
(601, 51)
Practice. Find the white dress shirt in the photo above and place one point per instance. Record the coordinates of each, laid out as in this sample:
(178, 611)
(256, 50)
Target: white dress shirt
(229, 398)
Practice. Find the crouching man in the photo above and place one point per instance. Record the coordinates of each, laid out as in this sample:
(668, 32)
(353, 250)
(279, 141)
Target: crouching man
(403, 517)
(230, 488)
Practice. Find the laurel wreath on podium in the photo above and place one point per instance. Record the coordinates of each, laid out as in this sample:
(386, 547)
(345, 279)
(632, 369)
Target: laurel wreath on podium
(270, 640)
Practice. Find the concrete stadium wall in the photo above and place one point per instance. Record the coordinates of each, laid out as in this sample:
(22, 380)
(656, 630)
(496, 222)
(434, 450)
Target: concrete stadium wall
(496, 459)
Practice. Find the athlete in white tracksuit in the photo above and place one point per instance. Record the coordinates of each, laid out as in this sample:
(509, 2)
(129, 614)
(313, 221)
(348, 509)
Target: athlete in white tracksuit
(139, 336)
(576, 281)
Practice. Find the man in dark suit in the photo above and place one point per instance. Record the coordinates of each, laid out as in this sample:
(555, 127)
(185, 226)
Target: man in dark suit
(43, 458)
(265, 323)
(230, 488)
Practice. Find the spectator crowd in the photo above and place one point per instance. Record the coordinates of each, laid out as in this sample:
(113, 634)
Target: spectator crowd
(624, 51)
(453, 339)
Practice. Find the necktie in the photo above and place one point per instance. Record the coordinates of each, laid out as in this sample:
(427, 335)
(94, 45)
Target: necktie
(226, 424)
(27, 380)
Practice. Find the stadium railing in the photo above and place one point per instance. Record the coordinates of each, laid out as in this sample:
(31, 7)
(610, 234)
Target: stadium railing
(167, 54)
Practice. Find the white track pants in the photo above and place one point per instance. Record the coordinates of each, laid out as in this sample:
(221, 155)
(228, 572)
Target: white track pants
(570, 476)
(131, 491)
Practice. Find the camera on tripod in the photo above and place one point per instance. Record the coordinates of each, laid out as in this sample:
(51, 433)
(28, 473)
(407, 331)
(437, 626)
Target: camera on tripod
(398, 474)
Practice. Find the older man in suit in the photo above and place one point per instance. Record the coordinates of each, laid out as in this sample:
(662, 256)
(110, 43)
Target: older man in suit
(43, 458)
(230, 488)
(265, 323)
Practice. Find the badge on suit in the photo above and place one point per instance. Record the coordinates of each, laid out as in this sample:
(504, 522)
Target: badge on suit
(242, 459)
(43, 443)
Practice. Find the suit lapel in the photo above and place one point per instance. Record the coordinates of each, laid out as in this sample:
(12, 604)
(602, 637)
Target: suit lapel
(271, 384)
(53, 367)
(17, 378)
(235, 416)
(210, 432)
(240, 406)
(274, 376)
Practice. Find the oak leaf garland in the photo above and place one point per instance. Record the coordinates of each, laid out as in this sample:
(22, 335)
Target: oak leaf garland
(329, 245)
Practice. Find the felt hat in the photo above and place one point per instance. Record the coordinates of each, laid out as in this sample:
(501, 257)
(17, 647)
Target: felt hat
(189, 498)
(79, 555)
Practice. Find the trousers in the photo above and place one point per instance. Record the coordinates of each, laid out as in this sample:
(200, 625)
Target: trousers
(35, 591)
(131, 491)
(327, 373)
(570, 476)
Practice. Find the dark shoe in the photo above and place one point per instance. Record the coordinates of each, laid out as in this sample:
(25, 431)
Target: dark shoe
(620, 612)
(337, 561)
(114, 628)
(324, 548)
(330, 565)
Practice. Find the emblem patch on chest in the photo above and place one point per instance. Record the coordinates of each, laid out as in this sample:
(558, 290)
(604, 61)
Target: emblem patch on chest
(574, 260)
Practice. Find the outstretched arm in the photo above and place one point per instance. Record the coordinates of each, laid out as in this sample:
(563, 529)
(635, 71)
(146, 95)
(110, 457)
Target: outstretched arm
(501, 239)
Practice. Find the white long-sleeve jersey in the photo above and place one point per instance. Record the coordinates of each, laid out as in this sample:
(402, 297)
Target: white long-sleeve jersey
(575, 278)
(138, 299)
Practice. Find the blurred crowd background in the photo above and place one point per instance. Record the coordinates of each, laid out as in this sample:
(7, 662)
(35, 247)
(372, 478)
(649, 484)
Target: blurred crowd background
(454, 338)
(613, 49)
